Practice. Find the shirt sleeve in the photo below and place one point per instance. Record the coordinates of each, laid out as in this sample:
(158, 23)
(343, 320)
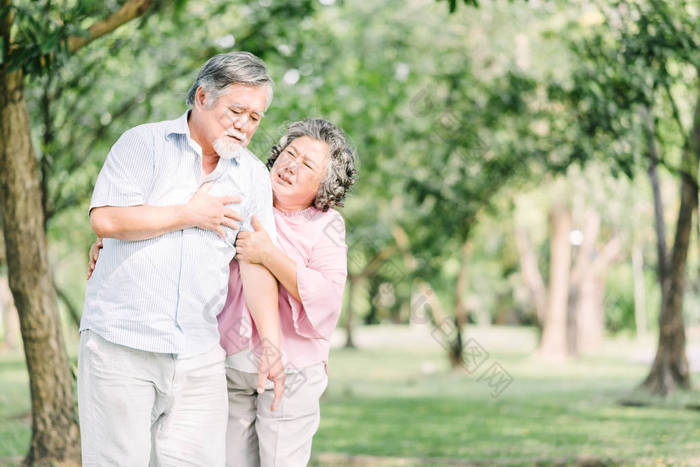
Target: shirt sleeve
(126, 175)
(321, 284)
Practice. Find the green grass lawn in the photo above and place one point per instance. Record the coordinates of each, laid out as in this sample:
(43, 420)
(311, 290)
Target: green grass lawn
(400, 400)
(381, 402)
(15, 419)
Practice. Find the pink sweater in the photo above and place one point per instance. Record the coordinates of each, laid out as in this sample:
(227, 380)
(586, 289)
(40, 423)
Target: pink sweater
(315, 240)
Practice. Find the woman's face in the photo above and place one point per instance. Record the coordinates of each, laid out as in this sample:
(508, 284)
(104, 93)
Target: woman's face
(297, 173)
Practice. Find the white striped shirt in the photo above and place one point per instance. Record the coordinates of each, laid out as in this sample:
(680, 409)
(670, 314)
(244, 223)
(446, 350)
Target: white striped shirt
(163, 294)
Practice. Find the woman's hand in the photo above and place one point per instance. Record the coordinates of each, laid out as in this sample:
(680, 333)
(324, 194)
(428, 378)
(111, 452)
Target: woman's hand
(92, 256)
(253, 247)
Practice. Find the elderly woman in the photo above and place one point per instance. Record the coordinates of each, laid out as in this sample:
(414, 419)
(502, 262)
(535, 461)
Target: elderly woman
(311, 170)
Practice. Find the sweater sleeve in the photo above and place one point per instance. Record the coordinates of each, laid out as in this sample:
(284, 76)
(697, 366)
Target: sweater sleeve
(321, 282)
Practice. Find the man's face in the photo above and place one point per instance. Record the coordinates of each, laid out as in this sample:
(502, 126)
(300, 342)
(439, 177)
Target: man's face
(231, 121)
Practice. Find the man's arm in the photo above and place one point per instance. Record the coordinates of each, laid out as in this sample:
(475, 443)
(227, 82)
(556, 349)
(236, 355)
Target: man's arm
(145, 221)
(260, 292)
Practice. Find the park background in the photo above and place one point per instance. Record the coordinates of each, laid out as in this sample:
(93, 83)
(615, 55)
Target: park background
(524, 279)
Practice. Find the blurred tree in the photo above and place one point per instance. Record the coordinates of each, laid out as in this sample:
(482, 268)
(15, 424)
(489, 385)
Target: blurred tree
(585, 316)
(452, 4)
(487, 145)
(579, 259)
(34, 47)
(634, 70)
(440, 129)
(553, 344)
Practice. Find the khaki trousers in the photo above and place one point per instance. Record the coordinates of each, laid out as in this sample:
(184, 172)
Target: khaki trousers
(256, 436)
(140, 407)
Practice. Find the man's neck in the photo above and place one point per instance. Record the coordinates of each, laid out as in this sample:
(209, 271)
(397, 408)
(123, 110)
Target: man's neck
(209, 164)
(210, 158)
(196, 135)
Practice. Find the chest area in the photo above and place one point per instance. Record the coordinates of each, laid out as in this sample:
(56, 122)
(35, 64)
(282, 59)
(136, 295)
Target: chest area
(297, 241)
(179, 174)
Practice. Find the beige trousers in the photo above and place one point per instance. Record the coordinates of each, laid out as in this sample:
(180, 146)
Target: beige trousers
(140, 407)
(256, 436)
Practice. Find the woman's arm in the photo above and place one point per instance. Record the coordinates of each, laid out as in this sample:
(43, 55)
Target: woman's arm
(260, 292)
(257, 247)
(284, 269)
(317, 285)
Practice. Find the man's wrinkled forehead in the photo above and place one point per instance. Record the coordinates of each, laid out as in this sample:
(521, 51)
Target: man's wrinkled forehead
(253, 99)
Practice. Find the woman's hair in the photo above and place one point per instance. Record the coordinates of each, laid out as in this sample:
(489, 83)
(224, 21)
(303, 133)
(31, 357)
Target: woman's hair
(341, 173)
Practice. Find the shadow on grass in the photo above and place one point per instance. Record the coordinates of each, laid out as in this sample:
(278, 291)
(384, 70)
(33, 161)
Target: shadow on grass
(680, 399)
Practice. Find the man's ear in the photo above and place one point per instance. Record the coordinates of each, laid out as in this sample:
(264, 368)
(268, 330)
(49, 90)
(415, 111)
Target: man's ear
(200, 97)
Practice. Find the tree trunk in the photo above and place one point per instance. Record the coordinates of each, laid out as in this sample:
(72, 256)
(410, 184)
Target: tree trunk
(580, 319)
(446, 329)
(659, 223)
(589, 312)
(350, 315)
(670, 368)
(531, 274)
(640, 307)
(456, 344)
(553, 345)
(461, 289)
(55, 432)
(589, 307)
(573, 324)
(372, 317)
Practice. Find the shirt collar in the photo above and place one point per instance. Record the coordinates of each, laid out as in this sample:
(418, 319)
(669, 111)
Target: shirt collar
(180, 127)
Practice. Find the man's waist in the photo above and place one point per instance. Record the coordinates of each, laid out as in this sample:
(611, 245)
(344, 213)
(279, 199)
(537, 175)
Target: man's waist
(141, 336)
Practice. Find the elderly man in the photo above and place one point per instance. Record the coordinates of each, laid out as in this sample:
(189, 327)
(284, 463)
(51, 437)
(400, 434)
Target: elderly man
(151, 375)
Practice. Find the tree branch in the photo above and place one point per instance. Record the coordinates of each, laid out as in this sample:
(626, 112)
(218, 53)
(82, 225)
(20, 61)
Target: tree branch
(5, 26)
(674, 106)
(47, 147)
(59, 203)
(83, 74)
(582, 262)
(70, 306)
(377, 261)
(659, 223)
(130, 10)
(606, 256)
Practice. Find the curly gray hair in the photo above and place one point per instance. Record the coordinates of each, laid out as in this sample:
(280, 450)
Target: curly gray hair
(222, 70)
(341, 173)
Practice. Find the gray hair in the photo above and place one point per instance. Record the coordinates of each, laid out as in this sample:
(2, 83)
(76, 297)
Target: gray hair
(222, 70)
(341, 173)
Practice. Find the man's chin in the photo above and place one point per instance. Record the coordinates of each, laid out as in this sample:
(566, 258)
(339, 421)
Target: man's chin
(228, 151)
